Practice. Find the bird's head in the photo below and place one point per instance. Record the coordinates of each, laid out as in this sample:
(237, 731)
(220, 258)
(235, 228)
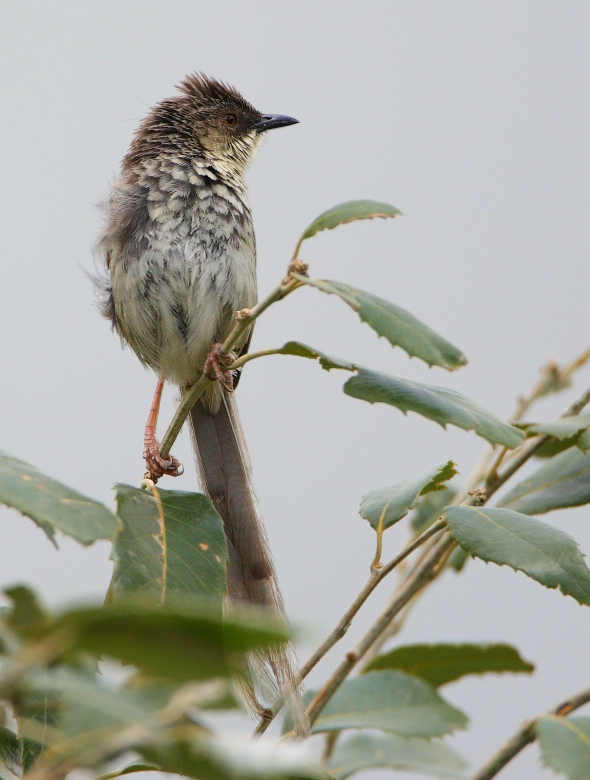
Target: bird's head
(208, 119)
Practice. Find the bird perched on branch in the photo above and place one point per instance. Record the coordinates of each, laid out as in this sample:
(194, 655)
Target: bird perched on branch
(181, 257)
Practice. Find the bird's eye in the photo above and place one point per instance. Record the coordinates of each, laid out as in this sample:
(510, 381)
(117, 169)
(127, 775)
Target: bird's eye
(231, 119)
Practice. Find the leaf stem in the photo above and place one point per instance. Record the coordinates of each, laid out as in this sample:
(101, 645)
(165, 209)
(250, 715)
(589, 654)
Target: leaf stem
(427, 569)
(525, 735)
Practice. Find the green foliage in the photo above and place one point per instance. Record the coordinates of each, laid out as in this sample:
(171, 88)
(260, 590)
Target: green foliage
(562, 482)
(350, 211)
(326, 361)
(209, 758)
(391, 701)
(178, 642)
(440, 404)
(53, 506)
(397, 325)
(444, 663)
(27, 617)
(565, 432)
(368, 751)
(385, 506)
(165, 617)
(171, 546)
(429, 509)
(508, 538)
(128, 770)
(565, 745)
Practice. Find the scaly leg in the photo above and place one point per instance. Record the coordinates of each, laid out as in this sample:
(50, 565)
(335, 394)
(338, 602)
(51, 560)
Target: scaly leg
(157, 466)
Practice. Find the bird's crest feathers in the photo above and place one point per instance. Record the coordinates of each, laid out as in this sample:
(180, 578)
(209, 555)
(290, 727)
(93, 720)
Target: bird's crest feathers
(208, 90)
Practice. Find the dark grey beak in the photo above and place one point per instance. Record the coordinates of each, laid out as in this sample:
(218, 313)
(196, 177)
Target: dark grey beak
(270, 121)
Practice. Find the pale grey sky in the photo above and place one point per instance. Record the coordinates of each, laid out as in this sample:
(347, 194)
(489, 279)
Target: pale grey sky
(472, 118)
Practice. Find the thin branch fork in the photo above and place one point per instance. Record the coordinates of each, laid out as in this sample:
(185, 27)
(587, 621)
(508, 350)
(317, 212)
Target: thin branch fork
(413, 584)
(526, 735)
(377, 574)
(426, 570)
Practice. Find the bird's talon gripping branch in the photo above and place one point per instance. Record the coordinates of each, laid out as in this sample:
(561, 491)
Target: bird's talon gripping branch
(157, 466)
(214, 367)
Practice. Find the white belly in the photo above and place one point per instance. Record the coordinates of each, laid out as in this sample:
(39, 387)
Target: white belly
(179, 297)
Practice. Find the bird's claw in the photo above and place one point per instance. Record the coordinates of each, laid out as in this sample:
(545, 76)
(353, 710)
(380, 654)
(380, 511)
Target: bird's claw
(214, 367)
(157, 466)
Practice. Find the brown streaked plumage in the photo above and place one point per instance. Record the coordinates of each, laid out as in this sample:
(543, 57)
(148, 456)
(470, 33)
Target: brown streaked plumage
(180, 251)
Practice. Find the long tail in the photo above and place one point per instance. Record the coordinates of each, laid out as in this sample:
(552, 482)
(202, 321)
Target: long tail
(225, 472)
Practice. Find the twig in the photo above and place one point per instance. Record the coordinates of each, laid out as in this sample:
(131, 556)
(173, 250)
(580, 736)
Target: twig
(377, 574)
(526, 735)
(426, 570)
(553, 379)
(420, 577)
(245, 320)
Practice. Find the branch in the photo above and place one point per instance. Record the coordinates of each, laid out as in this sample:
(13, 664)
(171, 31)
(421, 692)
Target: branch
(526, 735)
(426, 570)
(377, 574)
(413, 584)
(245, 319)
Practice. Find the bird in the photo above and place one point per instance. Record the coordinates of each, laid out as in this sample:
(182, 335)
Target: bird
(180, 258)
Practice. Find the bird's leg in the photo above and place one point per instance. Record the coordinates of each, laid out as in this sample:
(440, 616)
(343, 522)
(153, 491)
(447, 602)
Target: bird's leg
(215, 364)
(157, 466)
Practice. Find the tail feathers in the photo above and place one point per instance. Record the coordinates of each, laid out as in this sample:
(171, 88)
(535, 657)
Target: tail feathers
(224, 467)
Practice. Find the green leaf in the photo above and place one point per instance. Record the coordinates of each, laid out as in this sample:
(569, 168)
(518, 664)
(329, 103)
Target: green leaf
(128, 770)
(440, 404)
(457, 559)
(565, 745)
(27, 616)
(562, 482)
(53, 506)
(368, 751)
(180, 643)
(541, 551)
(212, 758)
(565, 432)
(171, 546)
(553, 447)
(443, 663)
(84, 704)
(390, 701)
(350, 211)
(385, 506)
(430, 508)
(397, 325)
(562, 428)
(326, 362)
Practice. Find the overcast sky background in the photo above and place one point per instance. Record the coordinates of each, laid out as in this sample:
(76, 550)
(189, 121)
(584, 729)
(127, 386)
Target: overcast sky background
(472, 118)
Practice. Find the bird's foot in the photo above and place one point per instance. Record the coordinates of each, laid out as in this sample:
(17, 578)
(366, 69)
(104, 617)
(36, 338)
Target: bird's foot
(157, 466)
(215, 366)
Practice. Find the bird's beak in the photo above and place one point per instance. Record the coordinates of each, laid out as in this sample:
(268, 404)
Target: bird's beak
(269, 121)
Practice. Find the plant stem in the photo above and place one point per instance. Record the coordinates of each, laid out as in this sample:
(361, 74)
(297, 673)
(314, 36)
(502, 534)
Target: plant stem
(245, 320)
(553, 379)
(377, 574)
(412, 585)
(526, 735)
(426, 570)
